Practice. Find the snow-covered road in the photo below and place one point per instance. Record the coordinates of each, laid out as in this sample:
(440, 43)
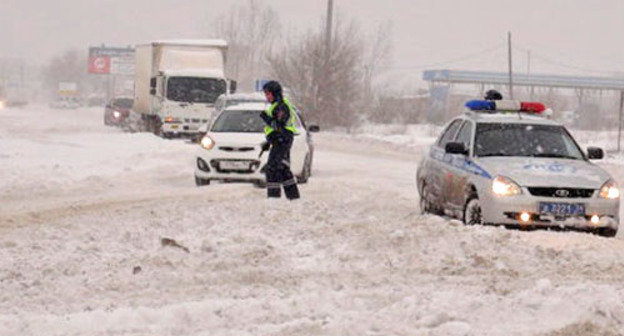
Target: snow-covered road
(84, 210)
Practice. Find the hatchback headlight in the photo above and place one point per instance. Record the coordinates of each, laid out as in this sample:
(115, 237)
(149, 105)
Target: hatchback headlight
(207, 142)
(610, 190)
(504, 186)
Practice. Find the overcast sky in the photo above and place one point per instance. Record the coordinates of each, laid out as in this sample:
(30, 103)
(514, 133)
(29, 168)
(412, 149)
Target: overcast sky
(564, 36)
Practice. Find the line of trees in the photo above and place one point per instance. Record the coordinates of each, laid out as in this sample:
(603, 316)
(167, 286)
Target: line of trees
(335, 90)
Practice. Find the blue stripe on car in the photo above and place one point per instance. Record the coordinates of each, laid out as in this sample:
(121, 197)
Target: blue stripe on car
(459, 162)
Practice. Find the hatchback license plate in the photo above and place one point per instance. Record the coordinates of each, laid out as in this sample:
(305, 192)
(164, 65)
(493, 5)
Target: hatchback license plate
(237, 165)
(568, 209)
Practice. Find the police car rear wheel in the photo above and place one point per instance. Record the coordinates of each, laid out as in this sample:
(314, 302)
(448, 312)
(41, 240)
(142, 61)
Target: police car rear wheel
(426, 206)
(472, 213)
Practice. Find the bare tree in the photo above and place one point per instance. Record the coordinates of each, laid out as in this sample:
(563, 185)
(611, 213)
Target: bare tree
(251, 30)
(71, 66)
(327, 93)
(378, 54)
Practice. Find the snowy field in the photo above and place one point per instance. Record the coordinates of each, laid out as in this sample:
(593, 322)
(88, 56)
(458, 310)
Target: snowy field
(86, 212)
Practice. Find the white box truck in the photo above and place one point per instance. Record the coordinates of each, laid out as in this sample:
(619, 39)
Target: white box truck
(177, 83)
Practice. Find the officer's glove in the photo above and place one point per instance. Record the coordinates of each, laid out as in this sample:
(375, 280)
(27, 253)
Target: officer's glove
(265, 146)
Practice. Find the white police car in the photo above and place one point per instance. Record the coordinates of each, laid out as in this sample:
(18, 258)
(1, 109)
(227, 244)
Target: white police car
(501, 163)
(230, 149)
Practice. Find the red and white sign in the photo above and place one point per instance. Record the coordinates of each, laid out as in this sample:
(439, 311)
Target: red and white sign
(111, 61)
(99, 64)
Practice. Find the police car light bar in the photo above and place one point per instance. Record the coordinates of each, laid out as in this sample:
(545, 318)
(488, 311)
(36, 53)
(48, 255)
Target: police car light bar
(505, 105)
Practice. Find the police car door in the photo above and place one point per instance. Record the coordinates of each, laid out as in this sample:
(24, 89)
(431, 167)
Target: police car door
(458, 168)
(439, 162)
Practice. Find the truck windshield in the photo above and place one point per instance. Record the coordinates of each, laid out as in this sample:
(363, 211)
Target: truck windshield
(239, 121)
(497, 139)
(194, 89)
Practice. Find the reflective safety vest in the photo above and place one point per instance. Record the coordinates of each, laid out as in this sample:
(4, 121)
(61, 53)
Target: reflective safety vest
(290, 125)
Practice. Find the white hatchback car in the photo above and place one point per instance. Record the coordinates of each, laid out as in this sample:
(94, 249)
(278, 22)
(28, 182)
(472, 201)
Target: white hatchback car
(231, 149)
(518, 169)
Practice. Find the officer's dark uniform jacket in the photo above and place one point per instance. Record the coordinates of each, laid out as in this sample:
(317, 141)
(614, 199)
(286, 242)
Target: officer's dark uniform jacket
(280, 130)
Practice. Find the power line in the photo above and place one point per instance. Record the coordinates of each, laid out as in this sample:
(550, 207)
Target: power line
(451, 61)
(550, 60)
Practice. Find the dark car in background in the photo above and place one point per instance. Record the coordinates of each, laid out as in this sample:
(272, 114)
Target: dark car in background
(117, 111)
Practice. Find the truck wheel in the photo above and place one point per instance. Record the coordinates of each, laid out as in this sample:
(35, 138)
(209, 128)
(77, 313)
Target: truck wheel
(472, 212)
(201, 182)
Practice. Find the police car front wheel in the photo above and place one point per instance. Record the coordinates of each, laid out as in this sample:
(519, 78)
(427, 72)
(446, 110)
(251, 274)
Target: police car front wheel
(472, 212)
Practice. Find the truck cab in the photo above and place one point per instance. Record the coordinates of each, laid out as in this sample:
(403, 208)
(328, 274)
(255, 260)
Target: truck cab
(185, 100)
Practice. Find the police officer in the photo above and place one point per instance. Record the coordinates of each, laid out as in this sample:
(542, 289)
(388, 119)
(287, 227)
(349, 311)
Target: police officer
(279, 130)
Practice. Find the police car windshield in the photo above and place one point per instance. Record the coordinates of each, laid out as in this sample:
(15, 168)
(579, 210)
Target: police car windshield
(497, 139)
(239, 121)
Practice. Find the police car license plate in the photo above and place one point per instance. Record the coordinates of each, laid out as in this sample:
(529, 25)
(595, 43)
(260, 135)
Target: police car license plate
(235, 165)
(562, 209)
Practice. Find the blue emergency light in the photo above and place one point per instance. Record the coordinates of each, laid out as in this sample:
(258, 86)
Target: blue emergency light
(481, 105)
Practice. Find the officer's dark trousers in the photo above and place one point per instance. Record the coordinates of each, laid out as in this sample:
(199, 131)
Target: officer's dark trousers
(278, 172)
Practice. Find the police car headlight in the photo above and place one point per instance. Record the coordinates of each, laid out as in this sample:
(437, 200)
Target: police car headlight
(2, 104)
(207, 142)
(610, 190)
(116, 114)
(504, 186)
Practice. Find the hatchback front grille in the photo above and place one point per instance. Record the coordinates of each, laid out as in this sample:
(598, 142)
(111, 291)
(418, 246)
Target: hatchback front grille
(246, 166)
(561, 192)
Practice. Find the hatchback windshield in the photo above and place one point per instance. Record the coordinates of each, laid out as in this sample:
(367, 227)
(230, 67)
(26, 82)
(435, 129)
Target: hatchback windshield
(495, 139)
(194, 90)
(239, 121)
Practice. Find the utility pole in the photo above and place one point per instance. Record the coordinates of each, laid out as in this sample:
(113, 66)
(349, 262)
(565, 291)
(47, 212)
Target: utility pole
(620, 120)
(321, 87)
(510, 72)
(328, 29)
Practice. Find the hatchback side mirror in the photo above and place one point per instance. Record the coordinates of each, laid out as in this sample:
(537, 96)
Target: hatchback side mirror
(456, 148)
(595, 153)
(314, 128)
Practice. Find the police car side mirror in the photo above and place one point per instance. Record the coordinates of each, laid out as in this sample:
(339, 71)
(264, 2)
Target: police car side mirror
(456, 148)
(314, 128)
(595, 153)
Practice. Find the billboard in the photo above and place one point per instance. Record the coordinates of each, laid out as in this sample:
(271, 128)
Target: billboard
(111, 61)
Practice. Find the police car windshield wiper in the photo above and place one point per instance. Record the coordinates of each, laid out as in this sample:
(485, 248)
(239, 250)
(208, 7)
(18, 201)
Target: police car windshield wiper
(555, 155)
(495, 154)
